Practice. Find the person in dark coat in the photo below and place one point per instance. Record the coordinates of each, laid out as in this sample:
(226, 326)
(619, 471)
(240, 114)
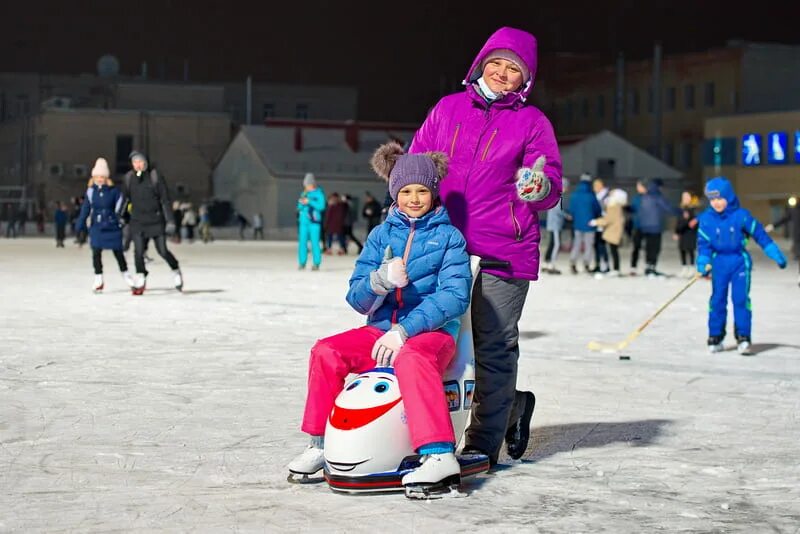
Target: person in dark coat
(60, 218)
(102, 205)
(371, 211)
(686, 232)
(151, 218)
(792, 218)
(335, 217)
(652, 212)
(351, 216)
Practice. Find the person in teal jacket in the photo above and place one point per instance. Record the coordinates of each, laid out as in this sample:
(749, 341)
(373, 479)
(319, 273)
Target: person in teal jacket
(412, 280)
(310, 211)
(725, 228)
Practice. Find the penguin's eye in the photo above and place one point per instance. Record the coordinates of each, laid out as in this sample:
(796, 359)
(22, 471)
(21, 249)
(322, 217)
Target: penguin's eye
(381, 387)
(354, 385)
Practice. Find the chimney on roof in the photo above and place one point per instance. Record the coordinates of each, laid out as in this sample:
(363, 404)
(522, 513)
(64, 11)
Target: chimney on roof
(351, 135)
(298, 139)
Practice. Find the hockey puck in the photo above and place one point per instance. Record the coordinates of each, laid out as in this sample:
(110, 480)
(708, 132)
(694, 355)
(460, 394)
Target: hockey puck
(621, 357)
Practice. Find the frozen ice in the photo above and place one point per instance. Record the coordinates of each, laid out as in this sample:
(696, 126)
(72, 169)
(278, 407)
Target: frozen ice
(179, 411)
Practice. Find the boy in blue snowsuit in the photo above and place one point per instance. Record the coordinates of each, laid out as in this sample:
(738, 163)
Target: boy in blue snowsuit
(722, 237)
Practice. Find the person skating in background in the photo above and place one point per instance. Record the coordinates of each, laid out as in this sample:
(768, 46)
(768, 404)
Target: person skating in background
(723, 233)
(151, 219)
(177, 216)
(505, 169)
(371, 211)
(310, 213)
(583, 208)
(22, 219)
(636, 230)
(600, 248)
(258, 226)
(652, 211)
(554, 224)
(205, 224)
(413, 296)
(243, 223)
(686, 232)
(349, 220)
(102, 206)
(792, 218)
(188, 221)
(40, 221)
(613, 223)
(335, 215)
(60, 219)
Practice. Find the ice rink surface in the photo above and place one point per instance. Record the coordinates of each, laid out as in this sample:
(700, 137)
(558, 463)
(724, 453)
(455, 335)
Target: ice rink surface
(179, 412)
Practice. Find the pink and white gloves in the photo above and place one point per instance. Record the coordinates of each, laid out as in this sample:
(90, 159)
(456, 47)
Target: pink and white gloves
(532, 183)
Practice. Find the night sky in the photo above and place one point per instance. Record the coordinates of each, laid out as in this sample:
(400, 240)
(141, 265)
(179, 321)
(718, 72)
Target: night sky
(392, 51)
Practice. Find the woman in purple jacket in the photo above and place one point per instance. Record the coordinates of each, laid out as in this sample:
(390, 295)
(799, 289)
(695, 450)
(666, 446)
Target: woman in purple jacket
(504, 169)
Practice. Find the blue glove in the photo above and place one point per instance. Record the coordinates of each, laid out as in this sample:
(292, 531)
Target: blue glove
(703, 265)
(774, 253)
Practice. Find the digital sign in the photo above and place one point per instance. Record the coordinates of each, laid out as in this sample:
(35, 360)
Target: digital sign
(777, 148)
(751, 149)
(797, 146)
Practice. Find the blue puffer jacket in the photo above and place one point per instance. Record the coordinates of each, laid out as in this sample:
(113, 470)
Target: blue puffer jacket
(727, 233)
(102, 205)
(438, 270)
(583, 206)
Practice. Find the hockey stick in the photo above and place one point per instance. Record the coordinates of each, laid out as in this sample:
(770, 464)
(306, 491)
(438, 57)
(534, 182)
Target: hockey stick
(616, 347)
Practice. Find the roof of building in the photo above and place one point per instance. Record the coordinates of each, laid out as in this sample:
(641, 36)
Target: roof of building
(291, 151)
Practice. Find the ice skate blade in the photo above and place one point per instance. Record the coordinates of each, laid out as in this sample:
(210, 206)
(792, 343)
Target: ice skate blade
(305, 478)
(446, 489)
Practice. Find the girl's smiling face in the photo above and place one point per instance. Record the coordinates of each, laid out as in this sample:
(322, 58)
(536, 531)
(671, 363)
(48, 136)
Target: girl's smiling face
(415, 200)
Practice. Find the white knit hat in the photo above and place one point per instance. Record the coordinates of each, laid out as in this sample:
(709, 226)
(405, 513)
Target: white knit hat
(101, 168)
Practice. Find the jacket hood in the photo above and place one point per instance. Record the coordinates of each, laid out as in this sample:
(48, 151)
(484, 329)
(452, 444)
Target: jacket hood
(521, 43)
(721, 187)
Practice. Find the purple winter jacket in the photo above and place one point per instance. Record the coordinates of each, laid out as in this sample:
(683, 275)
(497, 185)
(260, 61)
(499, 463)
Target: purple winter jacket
(486, 145)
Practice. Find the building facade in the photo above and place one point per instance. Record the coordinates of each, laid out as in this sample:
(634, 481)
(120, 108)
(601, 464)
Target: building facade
(760, 154)
(739, 78)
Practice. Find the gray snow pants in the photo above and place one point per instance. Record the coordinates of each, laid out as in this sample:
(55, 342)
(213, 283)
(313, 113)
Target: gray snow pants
(496, 308)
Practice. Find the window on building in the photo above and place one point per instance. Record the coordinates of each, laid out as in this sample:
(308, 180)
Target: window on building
(688, 97)
(585, 108)
(669, 153)
(686, 154)
(124, 149)
(633, 99)
(601, 106)
(672, 96)
(23, 105)
(268, 110)
(301, 111)
(708, 95)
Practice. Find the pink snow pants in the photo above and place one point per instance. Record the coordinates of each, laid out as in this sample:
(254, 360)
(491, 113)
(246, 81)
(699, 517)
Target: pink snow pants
(419, 367)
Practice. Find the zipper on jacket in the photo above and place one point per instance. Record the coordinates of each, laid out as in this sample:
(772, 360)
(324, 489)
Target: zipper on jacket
(453, 142)
(486, 150)
(515, 223)
(398, 292)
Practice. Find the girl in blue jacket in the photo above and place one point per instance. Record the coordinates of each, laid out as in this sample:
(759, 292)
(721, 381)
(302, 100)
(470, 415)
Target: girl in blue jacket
(102, 205)
(412, 281)
(724, 230)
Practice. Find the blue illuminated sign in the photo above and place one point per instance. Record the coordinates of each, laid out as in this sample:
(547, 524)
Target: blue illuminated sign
(751, 149)
(797, 146)
(777, 148)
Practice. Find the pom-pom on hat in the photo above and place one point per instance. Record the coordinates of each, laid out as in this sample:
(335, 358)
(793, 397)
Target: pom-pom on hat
(101, 168)
(392, 164)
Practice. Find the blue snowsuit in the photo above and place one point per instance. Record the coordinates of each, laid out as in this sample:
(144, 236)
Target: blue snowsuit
(309, 220)
(722, 243)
